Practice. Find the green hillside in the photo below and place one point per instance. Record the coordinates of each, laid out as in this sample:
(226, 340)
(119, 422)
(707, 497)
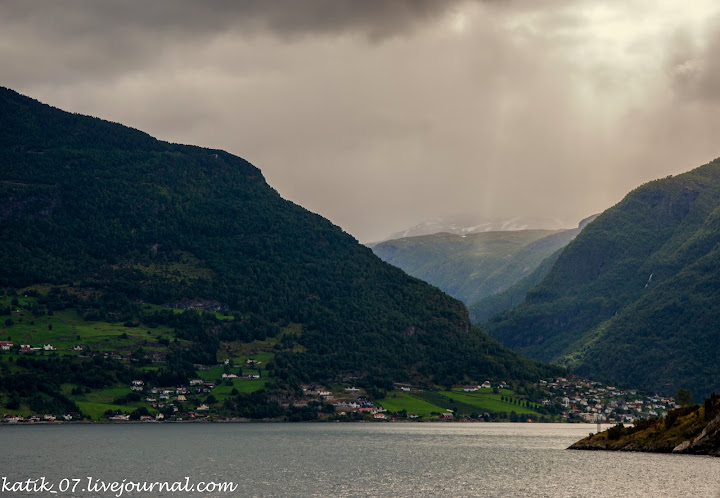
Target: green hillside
(635, 296)
(119, 220)
(487, 307)
(475, 266)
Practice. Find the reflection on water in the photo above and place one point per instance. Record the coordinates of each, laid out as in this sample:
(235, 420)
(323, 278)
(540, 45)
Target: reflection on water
(378, 459)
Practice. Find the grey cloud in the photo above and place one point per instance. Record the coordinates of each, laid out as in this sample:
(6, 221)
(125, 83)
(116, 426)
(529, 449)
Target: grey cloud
(376, 18)
(695, 67)
(379, 115)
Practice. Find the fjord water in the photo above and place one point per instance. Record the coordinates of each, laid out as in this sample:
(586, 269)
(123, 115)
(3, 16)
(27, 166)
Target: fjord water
(401, 459)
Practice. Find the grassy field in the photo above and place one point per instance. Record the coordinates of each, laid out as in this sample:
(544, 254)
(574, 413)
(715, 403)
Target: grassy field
(66, 329)
(460, 402)
(187, 267)
(242, 385)
(487, 401)
(396, 401)
(96, 403)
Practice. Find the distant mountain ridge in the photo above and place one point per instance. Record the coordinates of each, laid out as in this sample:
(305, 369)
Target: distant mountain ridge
(472, 267)
(465, 225)
(636, 296)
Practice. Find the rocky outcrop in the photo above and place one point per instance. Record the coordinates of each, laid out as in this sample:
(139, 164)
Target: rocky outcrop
(693, 429)
(707, 443)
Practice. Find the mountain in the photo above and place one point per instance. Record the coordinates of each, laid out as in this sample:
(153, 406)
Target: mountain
(487, 307)
(474, 266)
(464, 225)
(636, 296)
(114, 221)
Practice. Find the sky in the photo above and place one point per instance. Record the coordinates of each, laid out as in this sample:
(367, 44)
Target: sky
(379, 115)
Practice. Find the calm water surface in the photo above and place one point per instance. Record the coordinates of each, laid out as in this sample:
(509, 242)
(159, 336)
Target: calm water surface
(374, 459)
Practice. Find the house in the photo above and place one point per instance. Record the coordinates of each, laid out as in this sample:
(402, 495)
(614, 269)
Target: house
(352, 389)
(78, 348)
(138, 383)
(159, 416)
(486, 385)
(25, 347)
(324, 393)
(380, 416)
(196, 382)
(203, 407)
(229, 376)
(6, 345)
(446, 415)
(121, 417)
(48, 347)
(181, 397)
(470, 389)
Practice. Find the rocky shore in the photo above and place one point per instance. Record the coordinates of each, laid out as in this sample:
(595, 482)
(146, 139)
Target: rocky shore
(689, 430)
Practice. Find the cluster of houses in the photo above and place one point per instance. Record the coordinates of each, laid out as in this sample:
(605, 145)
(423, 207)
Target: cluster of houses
(353, 402)
(594, 402)
(8, 345)
(24, 348)
(485, 385)
(14, 419)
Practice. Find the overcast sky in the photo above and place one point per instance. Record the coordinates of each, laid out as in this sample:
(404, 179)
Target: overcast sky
(381, 114)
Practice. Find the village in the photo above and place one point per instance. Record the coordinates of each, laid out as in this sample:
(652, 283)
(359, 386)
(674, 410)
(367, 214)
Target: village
(563, 399)
(591, 401)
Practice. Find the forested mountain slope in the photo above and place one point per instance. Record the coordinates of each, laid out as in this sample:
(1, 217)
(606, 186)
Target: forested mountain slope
(636, 296)
(122, 218)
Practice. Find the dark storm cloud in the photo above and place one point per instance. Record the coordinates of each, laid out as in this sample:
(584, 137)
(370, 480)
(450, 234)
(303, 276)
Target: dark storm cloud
(376, 18)
(381, 114)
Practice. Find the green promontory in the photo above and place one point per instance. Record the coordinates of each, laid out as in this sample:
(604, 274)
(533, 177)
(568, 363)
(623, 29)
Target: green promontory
(691, 429)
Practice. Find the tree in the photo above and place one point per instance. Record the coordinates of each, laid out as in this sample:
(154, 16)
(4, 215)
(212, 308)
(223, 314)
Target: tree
(684, 397)
(14, 402)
